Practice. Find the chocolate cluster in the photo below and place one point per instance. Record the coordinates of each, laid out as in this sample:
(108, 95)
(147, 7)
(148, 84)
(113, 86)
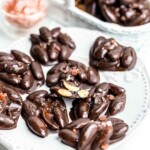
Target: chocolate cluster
(71, 79)
(86, 134)
(43, 113)
(109, 55)
(104, 99)
(10, 107)
(51, 46)
(18, 71)
(123, 12)
(92, 126)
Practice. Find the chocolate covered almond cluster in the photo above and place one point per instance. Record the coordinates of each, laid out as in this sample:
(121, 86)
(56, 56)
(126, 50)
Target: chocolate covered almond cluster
(86, 134)
(91, 126)
(123, 12)
(17, 70)
(43, 113)
(10, 107)
(51, 46)
(109, 55)
(71, 79)
(104, 99)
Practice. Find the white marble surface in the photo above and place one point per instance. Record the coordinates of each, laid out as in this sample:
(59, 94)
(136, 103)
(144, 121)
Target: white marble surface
(140, 138)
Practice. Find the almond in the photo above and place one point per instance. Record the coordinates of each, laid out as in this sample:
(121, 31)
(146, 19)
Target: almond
(70, 87)
(83, 93)
(64, 92)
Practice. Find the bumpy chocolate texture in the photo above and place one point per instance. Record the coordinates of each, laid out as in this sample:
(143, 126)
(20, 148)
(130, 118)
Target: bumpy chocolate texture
(10, 107)
(71, 79)
(109, 55)
(83, 134)
(123, 12)
(18, 71)
(51, 46)
(43, 113)
(105, 99)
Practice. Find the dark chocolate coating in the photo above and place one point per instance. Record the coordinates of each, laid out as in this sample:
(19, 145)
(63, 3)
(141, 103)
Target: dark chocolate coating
(87, 136)
(66, 40)
(51, 46)
(6, 122)
(30, 108)
(45, 34)
(37, 70)
(104, 99)
(107, 54)
(21, 56)
(69, 137)
(53, 51)
(78, 123)
(27, 80)
(37, 95)
(13, 67)
(71, 79)
(122, 12)
(117, 105)
(18, 71)
(120, 129)
(5, 56)
(42, 113)
(37, 126)
(10, 78)
(49, 119)
(35, 39)
(102, 139)
(40, 53)
(10, 107)
(93, 135)
(55, 32)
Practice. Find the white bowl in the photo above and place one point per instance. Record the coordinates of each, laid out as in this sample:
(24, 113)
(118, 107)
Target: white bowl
(136, 36)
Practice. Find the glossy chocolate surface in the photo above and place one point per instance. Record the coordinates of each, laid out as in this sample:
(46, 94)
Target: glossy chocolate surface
(43, 113)
(18, 71)
(92, 127)
(83, 134)
(105, 99)
(10, 107)
(123, 12)
(71, 79)
(51, 46)
(109, 55)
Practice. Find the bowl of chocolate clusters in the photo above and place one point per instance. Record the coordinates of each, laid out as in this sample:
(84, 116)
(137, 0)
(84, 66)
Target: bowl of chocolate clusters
(126, 20)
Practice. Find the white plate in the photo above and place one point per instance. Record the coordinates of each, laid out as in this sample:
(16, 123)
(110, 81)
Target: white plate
(136, 83)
